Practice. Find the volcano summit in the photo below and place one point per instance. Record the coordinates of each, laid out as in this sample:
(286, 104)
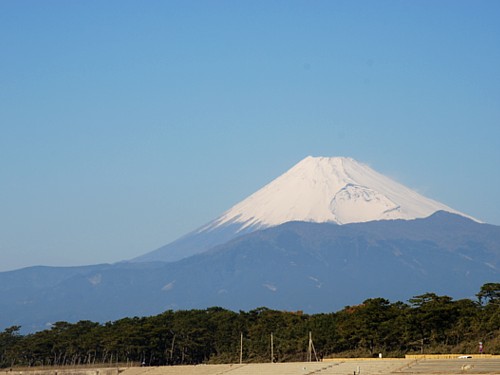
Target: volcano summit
(336, 190)
(339, 190)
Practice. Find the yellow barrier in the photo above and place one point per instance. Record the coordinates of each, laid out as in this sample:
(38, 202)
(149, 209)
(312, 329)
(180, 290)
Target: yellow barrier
(414, 356)
(448, 356)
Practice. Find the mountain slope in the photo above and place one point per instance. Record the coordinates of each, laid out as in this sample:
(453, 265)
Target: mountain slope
(315, 267)
(317, 189)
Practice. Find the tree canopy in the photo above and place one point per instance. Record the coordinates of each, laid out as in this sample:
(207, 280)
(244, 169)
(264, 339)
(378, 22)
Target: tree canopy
(428, 323)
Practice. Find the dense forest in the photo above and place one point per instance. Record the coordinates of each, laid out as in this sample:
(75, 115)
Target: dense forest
(428, 323)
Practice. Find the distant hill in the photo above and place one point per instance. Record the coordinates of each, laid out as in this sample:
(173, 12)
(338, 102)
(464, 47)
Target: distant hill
(315, 267)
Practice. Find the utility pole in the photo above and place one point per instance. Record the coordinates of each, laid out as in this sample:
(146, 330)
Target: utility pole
(172, 349)
(311, 349)
(272, 348)
(241, 347)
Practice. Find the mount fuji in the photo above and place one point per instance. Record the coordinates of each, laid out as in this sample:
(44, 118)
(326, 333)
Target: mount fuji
(336, 190)
(329, 232)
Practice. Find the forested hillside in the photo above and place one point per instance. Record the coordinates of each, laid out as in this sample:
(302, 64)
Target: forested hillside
(427, 323)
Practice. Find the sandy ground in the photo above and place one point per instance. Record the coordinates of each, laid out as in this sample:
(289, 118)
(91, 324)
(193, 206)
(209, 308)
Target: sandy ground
(332, 367)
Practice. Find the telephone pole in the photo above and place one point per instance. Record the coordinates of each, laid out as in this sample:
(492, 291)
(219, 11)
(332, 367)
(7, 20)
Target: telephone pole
(272, 348)
(241, 347)
(311, 349)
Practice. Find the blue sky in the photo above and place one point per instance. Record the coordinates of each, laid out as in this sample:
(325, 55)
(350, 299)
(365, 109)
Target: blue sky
(126, 124)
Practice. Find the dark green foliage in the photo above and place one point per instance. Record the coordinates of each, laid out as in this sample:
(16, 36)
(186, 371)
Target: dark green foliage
(429, 323)
(489, 292)
(8, 342)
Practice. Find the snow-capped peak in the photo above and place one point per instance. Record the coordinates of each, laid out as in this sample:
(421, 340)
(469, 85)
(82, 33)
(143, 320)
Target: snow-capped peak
(329, 189)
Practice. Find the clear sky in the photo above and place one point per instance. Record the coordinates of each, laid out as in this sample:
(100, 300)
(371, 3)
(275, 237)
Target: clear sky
(126, 124)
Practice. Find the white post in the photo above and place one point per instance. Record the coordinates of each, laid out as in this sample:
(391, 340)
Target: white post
(241, 348)
(272, 348)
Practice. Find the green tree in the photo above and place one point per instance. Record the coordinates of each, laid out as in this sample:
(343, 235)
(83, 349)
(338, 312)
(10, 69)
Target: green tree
(432, 316)
(489, 293)
(8, 340)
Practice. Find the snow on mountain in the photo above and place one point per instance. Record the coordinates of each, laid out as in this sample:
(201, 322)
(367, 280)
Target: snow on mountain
(336, 189)
(318, 189)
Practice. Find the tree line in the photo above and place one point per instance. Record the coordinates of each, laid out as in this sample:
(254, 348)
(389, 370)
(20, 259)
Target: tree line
(428, 323)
